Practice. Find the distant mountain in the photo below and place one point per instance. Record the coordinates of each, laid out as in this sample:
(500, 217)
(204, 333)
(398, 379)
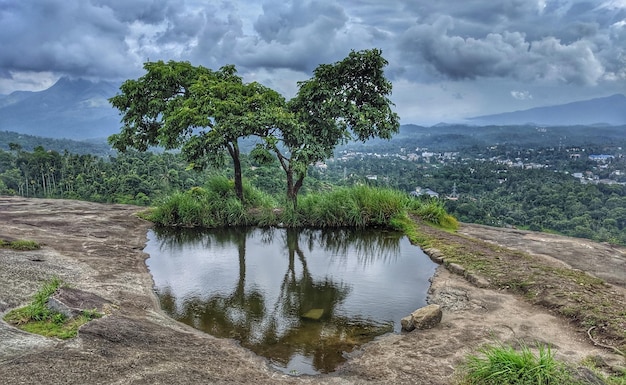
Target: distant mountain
(72, 109)
(610, 110)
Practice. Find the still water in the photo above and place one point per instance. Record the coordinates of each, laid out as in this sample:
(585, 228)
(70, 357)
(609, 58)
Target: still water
(300, 298)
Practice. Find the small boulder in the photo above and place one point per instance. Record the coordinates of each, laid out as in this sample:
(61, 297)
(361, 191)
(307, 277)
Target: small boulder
(423, 318)
(456, 268)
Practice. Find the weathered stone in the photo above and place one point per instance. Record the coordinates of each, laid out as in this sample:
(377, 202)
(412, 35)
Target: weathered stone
(407, 324)
(72, 302)
(586, 376)
(456, 268)
(477, 280)
(434, 254)
(426, 317)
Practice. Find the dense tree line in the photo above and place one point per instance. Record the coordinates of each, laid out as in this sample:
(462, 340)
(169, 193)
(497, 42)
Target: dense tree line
(488, 193)
(125, 178)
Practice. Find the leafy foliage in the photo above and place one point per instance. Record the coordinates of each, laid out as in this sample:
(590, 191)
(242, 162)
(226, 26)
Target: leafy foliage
(342, 101)
(205, 113)
(200, 111)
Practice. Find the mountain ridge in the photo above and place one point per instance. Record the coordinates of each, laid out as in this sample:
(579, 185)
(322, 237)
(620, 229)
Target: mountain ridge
(71, 108)
(609, 110)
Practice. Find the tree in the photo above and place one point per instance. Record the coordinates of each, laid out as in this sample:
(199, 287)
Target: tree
(203, 112)
(342, 101)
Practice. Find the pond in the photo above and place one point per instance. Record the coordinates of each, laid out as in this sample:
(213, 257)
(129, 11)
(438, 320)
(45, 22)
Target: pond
(300, 298)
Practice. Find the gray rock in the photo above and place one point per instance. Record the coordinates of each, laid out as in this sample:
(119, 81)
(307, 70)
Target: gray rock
(72, 302)
(456, 269)
(477, 280)
(423, 318)
(586, 376)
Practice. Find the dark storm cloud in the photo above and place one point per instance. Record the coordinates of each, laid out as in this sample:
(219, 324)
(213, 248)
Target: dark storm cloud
(60, 36)
(146, 11)
(518, 39)
(504, 46)
(507, 54)
(297, 35)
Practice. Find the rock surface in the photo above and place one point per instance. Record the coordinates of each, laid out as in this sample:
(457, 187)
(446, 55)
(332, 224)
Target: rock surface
(98, 249)
(73, 302)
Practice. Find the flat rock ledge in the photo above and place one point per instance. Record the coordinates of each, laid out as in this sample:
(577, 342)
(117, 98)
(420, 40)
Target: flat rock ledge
(426, 317)
(73, 302)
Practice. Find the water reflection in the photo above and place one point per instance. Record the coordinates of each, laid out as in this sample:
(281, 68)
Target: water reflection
(297, 297)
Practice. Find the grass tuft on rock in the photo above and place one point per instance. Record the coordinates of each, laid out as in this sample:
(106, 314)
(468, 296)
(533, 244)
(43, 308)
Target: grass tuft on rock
(20, 245)
(37, 317)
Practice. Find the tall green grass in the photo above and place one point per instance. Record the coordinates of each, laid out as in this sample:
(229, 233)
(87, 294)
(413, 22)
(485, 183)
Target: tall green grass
(360, 206)
(433, 211)
(20, 245)
(215, 205)
(500, 364)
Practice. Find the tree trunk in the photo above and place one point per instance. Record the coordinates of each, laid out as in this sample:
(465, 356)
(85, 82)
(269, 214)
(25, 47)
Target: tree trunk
(296, 189)
(292, 188)
(234, 153)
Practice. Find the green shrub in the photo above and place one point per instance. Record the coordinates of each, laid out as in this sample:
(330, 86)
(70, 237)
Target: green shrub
(360, 206)
(214, 205)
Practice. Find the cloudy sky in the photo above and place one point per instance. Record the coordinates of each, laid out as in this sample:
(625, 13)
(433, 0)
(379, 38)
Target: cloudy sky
(448, 59)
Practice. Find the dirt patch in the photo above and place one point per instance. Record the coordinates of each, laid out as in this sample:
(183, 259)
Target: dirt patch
(98, 248)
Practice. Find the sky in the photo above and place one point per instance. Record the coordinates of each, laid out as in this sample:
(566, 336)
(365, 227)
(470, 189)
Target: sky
(448, 60)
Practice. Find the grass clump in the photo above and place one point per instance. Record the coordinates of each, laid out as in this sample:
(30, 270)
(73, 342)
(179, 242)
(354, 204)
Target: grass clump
(20, 244)
(360, 206)
(37, 318)
(501, 364)
(434, 212)
(216, 205)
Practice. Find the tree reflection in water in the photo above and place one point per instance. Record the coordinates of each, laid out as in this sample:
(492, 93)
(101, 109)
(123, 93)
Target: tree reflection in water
(301, 319)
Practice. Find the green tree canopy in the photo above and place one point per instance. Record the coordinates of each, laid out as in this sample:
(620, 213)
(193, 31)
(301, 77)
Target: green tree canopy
(200, 111)
(342, 101)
